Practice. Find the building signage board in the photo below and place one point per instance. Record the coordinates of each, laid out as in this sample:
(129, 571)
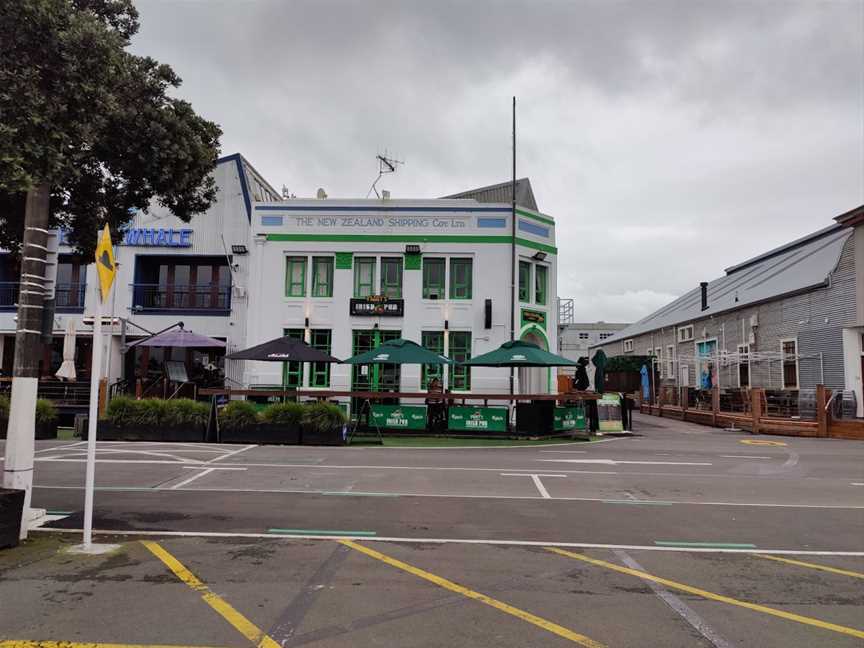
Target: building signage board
(534, 317)
(161, 237)
(377, 223)
(477, 419)
(569, 418)
(398, 417)
(147, 237)
(377, 306)
(609, 413)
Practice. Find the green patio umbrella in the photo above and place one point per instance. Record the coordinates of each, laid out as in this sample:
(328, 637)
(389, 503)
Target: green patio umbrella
(599, 362)
(519, 354)
(399, 352)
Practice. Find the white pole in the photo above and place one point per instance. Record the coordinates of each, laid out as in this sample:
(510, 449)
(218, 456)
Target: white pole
(95, 374)
(111, 330)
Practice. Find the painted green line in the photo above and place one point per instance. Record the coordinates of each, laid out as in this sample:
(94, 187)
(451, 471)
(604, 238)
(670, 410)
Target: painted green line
(551, 249)
(411, 238)
(714, 545)
(59, 512)
(540, 218)
(655, 503)
(359, 494)
(322, 533)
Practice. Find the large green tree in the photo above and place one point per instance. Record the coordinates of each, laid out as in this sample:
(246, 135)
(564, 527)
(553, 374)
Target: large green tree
(93, 122)
(88, 133)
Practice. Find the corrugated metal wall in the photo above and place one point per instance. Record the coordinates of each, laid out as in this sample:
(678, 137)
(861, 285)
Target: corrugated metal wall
(816, 318)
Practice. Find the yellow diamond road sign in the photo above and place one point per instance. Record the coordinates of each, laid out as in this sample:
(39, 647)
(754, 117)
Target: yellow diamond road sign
(105, 266)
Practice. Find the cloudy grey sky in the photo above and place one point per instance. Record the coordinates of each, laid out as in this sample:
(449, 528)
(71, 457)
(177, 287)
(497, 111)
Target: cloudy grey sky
(668, 139)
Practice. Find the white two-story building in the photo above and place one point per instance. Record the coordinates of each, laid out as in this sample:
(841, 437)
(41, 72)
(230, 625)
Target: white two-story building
(346, 275)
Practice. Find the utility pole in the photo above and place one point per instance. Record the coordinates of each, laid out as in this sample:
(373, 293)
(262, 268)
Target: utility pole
(20, 444)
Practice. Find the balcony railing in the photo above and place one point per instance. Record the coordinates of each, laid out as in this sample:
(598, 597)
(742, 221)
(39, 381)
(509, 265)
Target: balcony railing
(68, 297)
(8, 295)
(203, 298)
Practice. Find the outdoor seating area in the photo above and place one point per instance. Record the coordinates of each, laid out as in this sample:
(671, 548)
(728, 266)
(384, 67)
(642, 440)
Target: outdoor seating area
(435, 411)
(183, 410)
(815, 413)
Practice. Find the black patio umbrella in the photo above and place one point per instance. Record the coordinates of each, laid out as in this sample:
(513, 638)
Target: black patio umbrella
(282, 349)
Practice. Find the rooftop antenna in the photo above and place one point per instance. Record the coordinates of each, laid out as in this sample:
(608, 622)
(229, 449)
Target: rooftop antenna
(385, 165)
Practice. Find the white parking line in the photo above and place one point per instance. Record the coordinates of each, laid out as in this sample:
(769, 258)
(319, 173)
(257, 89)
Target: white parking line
(566, 451)
(231, 454)
(54, 448)
(616, 462)
(536, 478)
(421, 540)
(298, 491)
(685, 611)
(205, 471)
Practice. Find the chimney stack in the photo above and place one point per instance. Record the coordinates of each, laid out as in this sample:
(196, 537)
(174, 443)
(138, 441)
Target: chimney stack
(704, 286)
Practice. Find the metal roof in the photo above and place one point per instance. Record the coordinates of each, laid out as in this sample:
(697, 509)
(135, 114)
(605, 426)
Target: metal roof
(852, 217)
(502, 193)
(800, 265)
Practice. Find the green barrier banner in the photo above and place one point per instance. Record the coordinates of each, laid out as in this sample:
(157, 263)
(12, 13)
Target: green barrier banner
(477, 419)
(609, 413)
(569, 418)
(399, 417)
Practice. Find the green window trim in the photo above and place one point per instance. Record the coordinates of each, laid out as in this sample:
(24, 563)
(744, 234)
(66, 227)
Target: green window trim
(292, 372)
(343, 260)
(434, 272)
(413, 261)
(541, 284)
(540, 218)
(412, 238)
(460, 350)
(322, 276)
(524, 281)
(319, 372)
(434, 341)
(391, 277)
(295, 276)
(461, 278)
(364, 276)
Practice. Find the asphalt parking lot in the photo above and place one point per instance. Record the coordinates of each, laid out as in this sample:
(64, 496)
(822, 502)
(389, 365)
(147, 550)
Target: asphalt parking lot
(680, 536)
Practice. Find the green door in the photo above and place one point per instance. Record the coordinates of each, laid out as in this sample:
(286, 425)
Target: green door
(373, 377)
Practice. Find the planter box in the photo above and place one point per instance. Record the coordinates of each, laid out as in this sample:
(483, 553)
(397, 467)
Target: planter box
(11, 505)
(263, 433)
(333, 436)
(109, 432)
(43, 430)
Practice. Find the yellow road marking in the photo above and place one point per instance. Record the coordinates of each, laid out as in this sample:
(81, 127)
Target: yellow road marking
(243, 625)
(761, 442)
(712, 596)
(25, 643)
(554, 628)
(801, 563)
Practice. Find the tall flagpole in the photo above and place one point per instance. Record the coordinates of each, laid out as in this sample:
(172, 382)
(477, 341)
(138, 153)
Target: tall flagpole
(513, 247)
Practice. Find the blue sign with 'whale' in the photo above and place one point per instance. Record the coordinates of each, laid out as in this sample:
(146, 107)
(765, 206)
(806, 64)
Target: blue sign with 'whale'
(148, 237)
